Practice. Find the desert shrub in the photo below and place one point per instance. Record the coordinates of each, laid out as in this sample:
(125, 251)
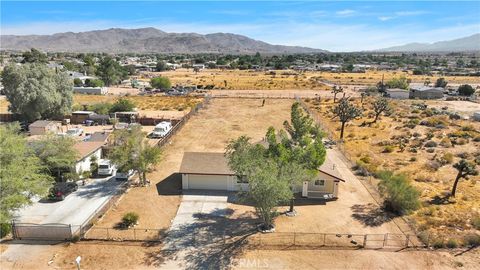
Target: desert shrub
(5, 228)
(438, 243)
(75, 238)
(464, 155)
(435, 121)
(400, 196)
(451, 243)
(366, 159)
(413, 159)
(446, 142)
(472, 239)
(430, 144)
(461, 141)
(476, 222)
(447, 158)
(412, 123)
(476, 139)
(130, 219)
(433, 165)
(468, 128)
(388, 149)
(430, 150)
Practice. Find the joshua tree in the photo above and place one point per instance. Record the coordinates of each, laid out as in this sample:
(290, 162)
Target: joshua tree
(379, 106)
(346, 111)
(465, 169)
(362, 95)
(335, 91)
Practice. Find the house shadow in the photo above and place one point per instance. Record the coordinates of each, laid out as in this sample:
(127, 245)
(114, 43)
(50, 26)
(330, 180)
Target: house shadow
(371, 215)
(172, 185)
(212, 241)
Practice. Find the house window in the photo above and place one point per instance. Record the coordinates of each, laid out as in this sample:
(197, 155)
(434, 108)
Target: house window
(242, 179)
(319, 182)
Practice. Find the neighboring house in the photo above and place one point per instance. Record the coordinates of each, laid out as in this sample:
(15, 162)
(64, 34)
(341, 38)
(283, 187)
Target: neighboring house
(210, 171)
(42, 127)
(79, 117)
(426, 92)
(85, 151)
(397, 93)
(90, 90)
(476, 116)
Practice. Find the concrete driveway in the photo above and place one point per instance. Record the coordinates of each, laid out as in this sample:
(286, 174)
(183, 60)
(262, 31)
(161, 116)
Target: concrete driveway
(77, 206)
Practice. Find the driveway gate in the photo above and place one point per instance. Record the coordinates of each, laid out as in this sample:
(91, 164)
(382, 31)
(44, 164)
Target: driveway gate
(50, 231)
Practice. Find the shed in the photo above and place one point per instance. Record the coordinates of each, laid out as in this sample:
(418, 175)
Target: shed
(79, 117)
(90, 90)
(426, 92)
(397, 93)
(42, 127)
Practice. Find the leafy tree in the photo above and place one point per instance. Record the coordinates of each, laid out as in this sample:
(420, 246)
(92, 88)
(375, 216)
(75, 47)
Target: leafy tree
(161, 66)
(381, 105)
(37, 92)
(101, 108)
(132, 152)
(441, 82)
(77, 82)
(465, 169)
(267, 186)
(34, 56)
(122, 105)
(346, 111)
(94, 83)
(466, 90)
(160, 83)
(22, 174)
(401, 83)
(400, 196)
(57, 155)
(335, 91)
(110, 71)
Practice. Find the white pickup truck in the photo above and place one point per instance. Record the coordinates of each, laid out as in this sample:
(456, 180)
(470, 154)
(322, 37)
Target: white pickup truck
(161, 130)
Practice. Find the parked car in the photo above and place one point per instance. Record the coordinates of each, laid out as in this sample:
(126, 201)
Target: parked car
(61, 190)
(161, 130)
(74, 132)
(105, 167)
(124, 176)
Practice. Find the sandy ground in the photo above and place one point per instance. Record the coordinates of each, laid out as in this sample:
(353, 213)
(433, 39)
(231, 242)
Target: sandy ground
(462, 107)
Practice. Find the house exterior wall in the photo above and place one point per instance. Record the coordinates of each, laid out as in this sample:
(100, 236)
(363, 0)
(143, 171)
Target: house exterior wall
(84, 164)
(398, 94)
(53, 128)
(331, 185)
(228, 181)
(426, 94)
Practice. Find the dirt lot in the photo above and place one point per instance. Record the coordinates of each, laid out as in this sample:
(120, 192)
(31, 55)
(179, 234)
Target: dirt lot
(375, 147)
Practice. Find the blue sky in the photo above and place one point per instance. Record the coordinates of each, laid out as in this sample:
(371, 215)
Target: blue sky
(335, 26)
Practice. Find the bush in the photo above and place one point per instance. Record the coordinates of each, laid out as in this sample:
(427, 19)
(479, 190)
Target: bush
(476, 222)
(452, 243)
(130, 219)
(5, 228)
(438, 243)
(161, 83)
(466, 90)
(430, 144)
(446, 142)
(472, 240)
(400, 196)
(388, 149)
(122, 105)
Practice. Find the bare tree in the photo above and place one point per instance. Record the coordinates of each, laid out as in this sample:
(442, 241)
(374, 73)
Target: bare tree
(335, 91)
(379, 106)
(465, 169)
(346, 111)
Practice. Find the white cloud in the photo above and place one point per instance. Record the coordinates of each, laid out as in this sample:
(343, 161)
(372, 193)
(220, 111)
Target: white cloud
(411, 13)
(385, 18)
(329, 36)
(346, 12)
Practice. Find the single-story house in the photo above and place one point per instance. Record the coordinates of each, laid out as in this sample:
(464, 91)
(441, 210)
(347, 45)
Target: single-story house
(90, 90)
(42, 127)
(79, 117)
(86, 150)
(210, 171)
(397, 93)
(426, 92)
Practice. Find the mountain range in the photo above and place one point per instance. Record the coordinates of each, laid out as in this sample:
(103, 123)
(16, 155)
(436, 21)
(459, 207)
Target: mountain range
(146, 40)
(470, 43)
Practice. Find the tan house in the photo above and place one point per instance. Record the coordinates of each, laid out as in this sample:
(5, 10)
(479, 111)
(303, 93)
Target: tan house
(210, 171)
(42, 127)
(86, 150)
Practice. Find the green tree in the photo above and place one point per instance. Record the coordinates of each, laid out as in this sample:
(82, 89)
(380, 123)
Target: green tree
(441, 82)
(94, 83)
(346, 111)
(34, 56)
(22, 174)
(160, 83)
(77, 82)
(400, 196)
(381, 105)
(110, 71)
(161, 66)
(132, 152)
(57, 155)
(401, 83)
(466, 90)
(268, 187)
(465, 169)
(37, 92)
(122, 105)
(101, 108)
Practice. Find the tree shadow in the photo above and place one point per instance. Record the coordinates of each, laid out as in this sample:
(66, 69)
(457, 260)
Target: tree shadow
(172, 185)
(209, 241)
(440, 200)
(371, 215)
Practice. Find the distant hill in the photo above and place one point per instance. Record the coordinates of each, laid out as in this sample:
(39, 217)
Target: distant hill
(146, 40)
(471, 43)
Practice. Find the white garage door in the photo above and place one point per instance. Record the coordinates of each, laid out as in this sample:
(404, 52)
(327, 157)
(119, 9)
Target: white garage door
(216, 182)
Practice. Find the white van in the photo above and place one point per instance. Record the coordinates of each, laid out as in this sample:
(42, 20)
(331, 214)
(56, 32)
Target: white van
(162, 129)
(105, 167)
